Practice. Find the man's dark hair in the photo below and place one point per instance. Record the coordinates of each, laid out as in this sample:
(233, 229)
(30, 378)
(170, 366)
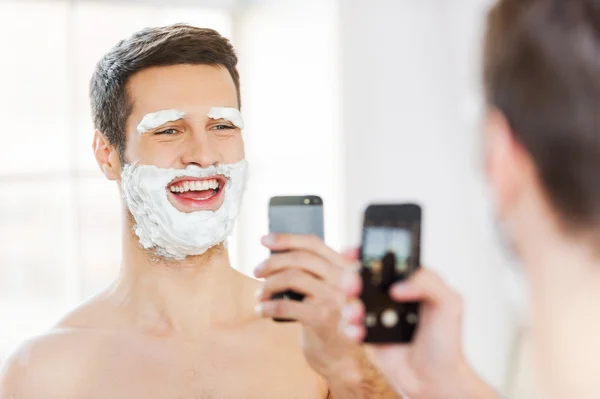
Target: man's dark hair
(152, 47)
(542, 71)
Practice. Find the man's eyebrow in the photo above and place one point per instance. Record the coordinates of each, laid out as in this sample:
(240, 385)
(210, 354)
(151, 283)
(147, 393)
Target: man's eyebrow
(231, 114)
(156, 119)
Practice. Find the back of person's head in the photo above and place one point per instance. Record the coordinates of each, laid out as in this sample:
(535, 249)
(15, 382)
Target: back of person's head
(152, 47)
(542, 72)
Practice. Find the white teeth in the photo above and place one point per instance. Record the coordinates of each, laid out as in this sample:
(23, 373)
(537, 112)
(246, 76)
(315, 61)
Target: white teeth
(212, 184)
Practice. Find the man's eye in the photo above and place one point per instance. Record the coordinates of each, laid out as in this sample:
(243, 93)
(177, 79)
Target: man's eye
(168, 132)
(224, 127)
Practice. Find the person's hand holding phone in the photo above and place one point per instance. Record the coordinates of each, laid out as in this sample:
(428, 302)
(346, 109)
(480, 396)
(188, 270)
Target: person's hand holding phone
(304, 264)
(433, 365)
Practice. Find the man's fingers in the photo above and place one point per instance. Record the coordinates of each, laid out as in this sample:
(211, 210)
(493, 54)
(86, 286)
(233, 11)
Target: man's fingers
(299, 260)
(287, 242)
(426, 286)
(351, 323)
(350, 283)
(408, 292)
(352, 254)
(353, 312)
(355, 332)
(300, 282)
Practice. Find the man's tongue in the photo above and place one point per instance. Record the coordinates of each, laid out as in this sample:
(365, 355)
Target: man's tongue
(197, 195)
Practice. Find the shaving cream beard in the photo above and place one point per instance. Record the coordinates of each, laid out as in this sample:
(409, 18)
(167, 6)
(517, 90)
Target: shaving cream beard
(171, 233)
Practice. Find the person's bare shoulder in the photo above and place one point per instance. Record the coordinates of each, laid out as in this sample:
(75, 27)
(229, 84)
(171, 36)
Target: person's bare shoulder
(53, 365)
(99, 313)
(48, 366)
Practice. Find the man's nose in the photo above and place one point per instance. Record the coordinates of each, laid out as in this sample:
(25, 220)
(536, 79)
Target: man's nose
(200, 150)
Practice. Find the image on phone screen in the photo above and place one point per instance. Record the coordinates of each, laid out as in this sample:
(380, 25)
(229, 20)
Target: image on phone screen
(389, 252)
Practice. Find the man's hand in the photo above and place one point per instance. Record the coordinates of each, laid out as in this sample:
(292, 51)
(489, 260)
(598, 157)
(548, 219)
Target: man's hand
(433, 365)
(304, 264)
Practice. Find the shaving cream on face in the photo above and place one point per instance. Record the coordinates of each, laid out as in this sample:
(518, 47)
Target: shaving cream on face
(171, 233)
(155, 119)
(233, 115)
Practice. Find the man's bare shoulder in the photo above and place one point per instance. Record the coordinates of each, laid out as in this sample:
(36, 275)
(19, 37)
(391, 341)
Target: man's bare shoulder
(97, 313)
(47, 366)
(50, 365)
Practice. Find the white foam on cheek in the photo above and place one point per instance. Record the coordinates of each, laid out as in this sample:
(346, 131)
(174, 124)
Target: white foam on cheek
(159, 118)
(172, 233)
(233, 115)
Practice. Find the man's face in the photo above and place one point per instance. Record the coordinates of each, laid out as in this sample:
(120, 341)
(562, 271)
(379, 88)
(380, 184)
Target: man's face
(194, 139)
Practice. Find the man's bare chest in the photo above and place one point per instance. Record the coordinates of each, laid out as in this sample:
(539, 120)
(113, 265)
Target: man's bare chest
(215, 373)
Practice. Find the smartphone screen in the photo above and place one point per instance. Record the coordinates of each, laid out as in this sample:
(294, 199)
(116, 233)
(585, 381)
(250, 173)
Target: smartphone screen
(390, 252)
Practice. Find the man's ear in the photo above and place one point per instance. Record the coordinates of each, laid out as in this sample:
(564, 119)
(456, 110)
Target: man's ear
(509, 167)
(107, 156)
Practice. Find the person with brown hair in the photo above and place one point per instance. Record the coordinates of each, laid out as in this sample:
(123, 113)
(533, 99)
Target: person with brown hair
(542, 133)
(179, 322)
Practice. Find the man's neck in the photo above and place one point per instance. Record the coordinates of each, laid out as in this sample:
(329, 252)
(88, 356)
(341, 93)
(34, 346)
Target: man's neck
(185, 297)
(557, 261)
(564, 275)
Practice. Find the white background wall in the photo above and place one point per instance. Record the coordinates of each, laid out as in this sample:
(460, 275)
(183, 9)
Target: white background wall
(289, 63)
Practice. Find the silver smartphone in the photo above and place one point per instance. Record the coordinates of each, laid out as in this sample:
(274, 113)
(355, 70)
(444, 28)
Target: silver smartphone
(296, 215)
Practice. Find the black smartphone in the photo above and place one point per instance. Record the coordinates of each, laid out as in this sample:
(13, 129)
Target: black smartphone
(296, 215)
(390, 252)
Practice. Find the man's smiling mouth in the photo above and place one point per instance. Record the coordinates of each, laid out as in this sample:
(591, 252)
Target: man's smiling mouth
(197, 189)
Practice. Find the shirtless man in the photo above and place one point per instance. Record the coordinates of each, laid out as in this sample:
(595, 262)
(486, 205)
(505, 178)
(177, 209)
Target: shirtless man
(179, 322)
(542, 81)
